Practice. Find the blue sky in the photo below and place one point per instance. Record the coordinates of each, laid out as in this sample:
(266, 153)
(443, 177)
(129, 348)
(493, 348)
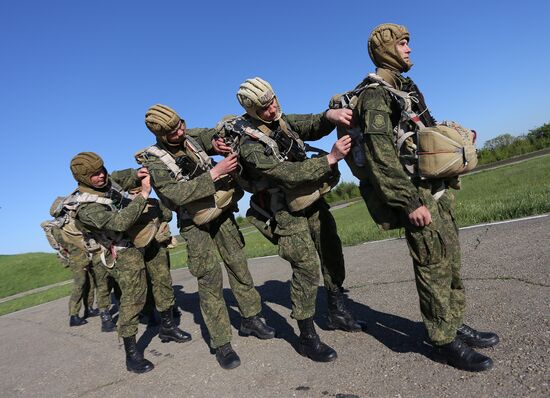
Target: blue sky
(79, 75)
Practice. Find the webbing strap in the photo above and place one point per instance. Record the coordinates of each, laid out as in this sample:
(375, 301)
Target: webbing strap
(167, 159)
(264, 213)
(197, 150)
(261, 133)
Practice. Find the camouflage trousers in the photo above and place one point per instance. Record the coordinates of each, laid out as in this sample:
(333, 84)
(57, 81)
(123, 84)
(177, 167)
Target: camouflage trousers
(435, 250)
(159, 279)
(83, 288)
(129, 273)
(203, 243)
(104, 284)
(313, 243)
(324, 233)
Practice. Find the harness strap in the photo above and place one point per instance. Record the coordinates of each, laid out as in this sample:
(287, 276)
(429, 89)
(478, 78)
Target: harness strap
(197, 150)
(167, 159)
(261, 133)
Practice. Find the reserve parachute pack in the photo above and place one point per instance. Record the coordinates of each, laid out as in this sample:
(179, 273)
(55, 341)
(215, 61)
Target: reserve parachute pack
(283, 144)
(204, 210)
(150, 225)
(440, 151)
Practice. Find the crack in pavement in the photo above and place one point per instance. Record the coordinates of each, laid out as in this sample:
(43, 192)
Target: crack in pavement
(492, 278)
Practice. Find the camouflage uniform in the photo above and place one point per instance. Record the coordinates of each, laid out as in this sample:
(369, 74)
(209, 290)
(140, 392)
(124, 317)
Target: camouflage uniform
(129, 269)
(157, 266)
(103, 285)
(307, 235)
(391, 196)
(220, 235)
(83, 279)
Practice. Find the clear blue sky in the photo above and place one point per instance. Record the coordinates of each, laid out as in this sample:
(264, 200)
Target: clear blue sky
(79, 75)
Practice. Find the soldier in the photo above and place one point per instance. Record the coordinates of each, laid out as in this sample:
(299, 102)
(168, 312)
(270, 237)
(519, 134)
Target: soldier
(79, 262)
(105, 216)
(151, 233)
(398, 197)
(204, 197)
(104, 284)
(287, 189)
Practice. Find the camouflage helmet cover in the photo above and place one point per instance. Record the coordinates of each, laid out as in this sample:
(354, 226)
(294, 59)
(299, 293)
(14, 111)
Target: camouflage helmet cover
(382, 47)
(255, 94)
(84, 165)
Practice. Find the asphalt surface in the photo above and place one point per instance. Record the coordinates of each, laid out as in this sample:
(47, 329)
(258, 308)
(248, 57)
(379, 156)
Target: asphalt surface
(506, 268)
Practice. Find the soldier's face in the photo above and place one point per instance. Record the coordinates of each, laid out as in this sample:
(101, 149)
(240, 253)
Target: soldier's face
(268, 112)
(404, 50)
(178, 134)
(99, 179)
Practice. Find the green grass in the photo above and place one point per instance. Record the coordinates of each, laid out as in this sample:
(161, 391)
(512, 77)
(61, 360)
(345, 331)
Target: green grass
(507, 192)
(492, 195)
(34, 299)
(22, 272)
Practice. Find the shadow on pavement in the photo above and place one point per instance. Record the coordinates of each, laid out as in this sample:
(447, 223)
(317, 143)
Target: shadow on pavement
(396, 333)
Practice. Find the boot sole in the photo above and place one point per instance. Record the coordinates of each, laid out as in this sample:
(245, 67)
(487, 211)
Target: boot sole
(78, 324)
(232, 365)
(332, 326)
(139, 371)
(445, 361)
(249, 332)
(166, 339)
(330, 359)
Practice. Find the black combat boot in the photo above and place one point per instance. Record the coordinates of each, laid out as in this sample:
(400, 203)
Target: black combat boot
(227, 357)
(91, 312)
(75, 320)
(310, 345)
(255, 326)
(169, 331)
(107, 324)
(460, 356)
(134, 359)
(339, 317)
(476, 339)
(176, 313)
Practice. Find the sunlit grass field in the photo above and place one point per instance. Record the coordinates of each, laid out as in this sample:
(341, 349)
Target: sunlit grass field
(507, 192)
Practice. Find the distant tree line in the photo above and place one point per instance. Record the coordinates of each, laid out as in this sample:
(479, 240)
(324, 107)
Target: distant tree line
(343, 192)
(505, 146)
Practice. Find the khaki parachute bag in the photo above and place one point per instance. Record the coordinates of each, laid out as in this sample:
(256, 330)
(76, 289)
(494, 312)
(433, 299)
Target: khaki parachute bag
(149, 226)
(441, 151)
(62, 230)
(445, 150)
(204, 210)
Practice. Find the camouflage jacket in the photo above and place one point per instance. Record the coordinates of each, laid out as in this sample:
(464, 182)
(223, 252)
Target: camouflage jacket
(388, 186)
(173, 193)
(289, 175)
(258, 164)
(95, 217)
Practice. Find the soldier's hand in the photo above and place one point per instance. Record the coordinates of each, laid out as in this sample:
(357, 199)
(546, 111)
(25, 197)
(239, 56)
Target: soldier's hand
(339, 150)
(226, 166)
(142, 172)
(340, 117)
(420, 217)
(220, 146)
(146, 186)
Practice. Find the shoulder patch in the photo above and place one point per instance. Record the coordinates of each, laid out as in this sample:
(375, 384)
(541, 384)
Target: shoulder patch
(377, 122)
